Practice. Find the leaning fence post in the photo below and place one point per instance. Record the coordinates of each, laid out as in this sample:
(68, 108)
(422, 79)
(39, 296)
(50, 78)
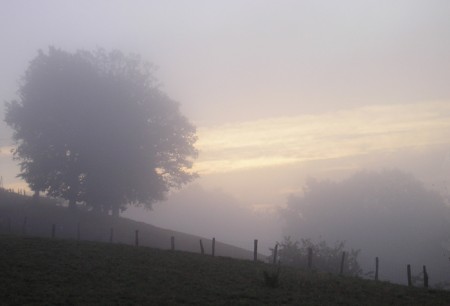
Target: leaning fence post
(425, 277)
(213, 246)
(255, 250)
(202, 250)
(275, 253)
(24, 226)
(78, 231)
(309, 258)
(341, 272)
(408, 271)
(111, 235)
(376, 268)
(172, 243)
(53, 230)
(136, 238)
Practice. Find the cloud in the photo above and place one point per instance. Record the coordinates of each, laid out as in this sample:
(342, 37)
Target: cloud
(297, 139)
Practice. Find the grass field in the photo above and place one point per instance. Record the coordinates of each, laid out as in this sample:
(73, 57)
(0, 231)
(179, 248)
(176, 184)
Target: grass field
(17, 210)
(42, 271)
(35, 270)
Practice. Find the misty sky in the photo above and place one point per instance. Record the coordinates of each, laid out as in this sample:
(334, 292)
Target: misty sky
(279, 90)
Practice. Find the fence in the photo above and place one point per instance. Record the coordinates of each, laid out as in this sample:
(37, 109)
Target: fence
(7, 224)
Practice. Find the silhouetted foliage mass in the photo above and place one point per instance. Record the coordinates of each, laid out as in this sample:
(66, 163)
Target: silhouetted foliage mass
(94, 128)
(388, 214)
(324, 257)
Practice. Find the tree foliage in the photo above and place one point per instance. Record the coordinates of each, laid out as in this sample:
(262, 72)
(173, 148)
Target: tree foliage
(388, 214)
(94, 127)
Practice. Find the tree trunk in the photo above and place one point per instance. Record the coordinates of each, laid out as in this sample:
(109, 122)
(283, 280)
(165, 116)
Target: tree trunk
(72, 205)
(36, 197)
(96, 209)
(115, 211)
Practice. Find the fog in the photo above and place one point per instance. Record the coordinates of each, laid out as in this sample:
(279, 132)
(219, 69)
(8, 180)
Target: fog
(214, 213)
(387, 214)
(279, 92)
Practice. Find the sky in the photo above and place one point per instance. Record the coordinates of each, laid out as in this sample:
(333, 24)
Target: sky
(279, 90)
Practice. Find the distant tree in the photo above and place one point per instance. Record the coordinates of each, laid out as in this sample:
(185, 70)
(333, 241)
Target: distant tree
(94, 127)
(325, 257)
(388, 214)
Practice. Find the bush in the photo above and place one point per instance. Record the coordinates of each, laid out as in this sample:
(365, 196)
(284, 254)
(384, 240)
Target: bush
(325, 258)
(271, 279)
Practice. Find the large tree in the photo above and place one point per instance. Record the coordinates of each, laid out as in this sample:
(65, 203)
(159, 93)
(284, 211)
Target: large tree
(94, 127)
(388, 214)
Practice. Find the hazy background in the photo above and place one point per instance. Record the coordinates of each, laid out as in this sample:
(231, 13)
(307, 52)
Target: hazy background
(279, 90)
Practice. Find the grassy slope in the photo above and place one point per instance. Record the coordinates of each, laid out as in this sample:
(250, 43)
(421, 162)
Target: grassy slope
(40, 271)
(39, 220)
(66, 272)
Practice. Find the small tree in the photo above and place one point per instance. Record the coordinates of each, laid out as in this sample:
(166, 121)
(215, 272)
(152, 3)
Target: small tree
(326, 258)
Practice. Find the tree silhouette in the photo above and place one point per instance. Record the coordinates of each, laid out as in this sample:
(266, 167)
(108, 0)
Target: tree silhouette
(95, 128)
(389, 214)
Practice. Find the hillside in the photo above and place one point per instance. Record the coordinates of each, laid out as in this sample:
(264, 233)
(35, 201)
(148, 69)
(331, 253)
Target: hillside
(42, 271)
(18, 215)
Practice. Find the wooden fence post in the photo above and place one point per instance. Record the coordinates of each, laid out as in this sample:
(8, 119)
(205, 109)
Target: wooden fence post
(255, 250)
(53, 230)
(425, 277)
(341, 272)
(408, 271)
(136, 238)
(111, 235)
(213, 247)
(309, 258)
(24, 226)
(376, 268)
(275, 253)
(172, 243)
(202, 250)
(78, 231)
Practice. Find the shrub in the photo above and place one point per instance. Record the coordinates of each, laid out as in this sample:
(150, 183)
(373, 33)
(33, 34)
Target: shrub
(325, 258)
